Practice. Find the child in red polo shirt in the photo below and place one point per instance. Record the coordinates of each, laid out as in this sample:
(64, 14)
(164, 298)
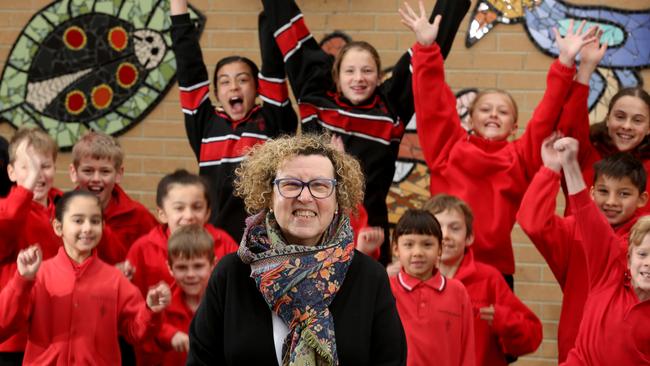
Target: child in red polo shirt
(191, 261)
(614, 328)
(74, 305)
(618, 191)
(97, 167)
(504, 327)
(435, 311)
(25, 214)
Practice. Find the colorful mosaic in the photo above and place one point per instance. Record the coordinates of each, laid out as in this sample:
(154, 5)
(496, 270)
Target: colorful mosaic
(626, 32)
(84, 64)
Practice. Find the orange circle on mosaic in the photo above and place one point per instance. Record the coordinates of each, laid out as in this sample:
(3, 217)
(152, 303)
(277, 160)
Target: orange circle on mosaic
(117, 38)
(127, 75)
(75, 102)
(101, 96)
(74, 38)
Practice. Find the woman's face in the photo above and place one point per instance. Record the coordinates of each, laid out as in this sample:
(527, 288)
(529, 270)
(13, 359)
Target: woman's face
(628, 122)
(304, 219)
(358, 75)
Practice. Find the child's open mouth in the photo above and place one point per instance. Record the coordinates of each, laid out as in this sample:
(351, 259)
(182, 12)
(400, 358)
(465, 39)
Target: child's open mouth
(236, 104)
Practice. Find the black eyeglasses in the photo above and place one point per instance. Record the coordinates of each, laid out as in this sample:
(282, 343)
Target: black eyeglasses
(318, 188)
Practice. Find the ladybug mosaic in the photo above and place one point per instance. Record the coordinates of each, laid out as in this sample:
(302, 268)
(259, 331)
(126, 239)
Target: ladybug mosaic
(84, 64)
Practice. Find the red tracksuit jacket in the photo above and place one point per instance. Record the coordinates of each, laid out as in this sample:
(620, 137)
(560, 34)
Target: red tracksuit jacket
(515, 330)
(24, 222)
(491, 176)
(437, 318)
(574, 122)
(149, 255)
(73, 313)
(125, 220)
(177, 318)
(614, 328)
(559, 241)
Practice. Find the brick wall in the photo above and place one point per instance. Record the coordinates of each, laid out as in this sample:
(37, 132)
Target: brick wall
(505, 58)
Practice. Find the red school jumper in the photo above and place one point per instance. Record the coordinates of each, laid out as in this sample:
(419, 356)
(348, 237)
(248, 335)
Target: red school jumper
(177, 318)
(614, 328)
(125, 220)
(559, 241)
(575, 123)
(149, 255)
(74, 312)
(437, 318)
(24, 222)
(515, 330)
(491, 176)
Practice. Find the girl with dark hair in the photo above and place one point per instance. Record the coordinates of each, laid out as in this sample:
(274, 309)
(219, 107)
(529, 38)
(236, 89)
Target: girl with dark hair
(220, 137)
(346, 97)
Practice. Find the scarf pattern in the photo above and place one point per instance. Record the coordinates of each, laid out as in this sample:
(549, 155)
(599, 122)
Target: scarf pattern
(298, 283)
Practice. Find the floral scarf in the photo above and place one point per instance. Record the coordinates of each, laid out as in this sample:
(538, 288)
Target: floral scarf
(298, 283)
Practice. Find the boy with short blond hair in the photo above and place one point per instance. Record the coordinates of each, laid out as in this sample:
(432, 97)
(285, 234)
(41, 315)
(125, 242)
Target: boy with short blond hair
(618, 191)
(504, 327)
(26, 212)
(97, 166)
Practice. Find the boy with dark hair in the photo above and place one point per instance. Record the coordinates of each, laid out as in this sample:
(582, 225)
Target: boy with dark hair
(504, 327)
(618, 192)
(97, 166)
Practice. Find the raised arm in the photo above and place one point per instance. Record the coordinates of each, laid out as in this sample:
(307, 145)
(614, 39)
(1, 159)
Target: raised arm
(139, 318)
(601, 244)
(16, 296)
(438, 124)
(550, 233)
(558, 83)
(273, 88)
(192, 74)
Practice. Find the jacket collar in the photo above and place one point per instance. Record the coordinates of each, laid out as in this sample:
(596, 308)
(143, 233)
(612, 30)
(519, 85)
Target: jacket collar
(437, 282)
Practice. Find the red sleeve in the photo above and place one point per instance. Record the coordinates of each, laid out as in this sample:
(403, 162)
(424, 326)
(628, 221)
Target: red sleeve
(546, 116)
(574, 119)
(165, 335)
(224, 244)
(438, 123)
(517, 327)
(137, 322)
(550, 233)
(14, 210)
(136, 257)
(16, 305)
(358, 222)
(469, 355)
(602, 246)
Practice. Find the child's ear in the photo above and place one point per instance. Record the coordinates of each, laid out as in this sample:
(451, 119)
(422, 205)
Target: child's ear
(72, 170)
(393, 247)
(643, 199)
(58, 227)
(11, 172)
(169, 268)
(162, 217)
(120, 173)
(591, 192)
(515, 126)
(469, 240)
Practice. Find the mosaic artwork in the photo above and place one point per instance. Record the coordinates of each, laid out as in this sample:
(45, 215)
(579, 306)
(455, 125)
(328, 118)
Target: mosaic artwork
(626, 32)
(83, 64)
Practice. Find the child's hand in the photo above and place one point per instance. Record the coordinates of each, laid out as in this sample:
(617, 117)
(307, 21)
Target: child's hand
(550, 156)
(572, 42)
(487, 314)
(592, 52)
(337, 143)
(567, 148)
(126, 268)
(425, 32)
(393, 268)
(177, 7)
(29, 161)
(28, 261)
(369, 239)
(181, 342)
(159, 297)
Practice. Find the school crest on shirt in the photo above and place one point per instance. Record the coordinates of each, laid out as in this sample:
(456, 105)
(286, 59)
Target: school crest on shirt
(89, 64)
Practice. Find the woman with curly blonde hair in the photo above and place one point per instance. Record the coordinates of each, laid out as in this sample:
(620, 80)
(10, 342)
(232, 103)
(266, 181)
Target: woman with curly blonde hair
(297, 292)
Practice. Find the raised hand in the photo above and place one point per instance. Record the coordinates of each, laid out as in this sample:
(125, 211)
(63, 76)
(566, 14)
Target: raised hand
(592, 52)
(28, 261)
(487, 313)
(425, 32)
(159, 297)
(573, 41)
(369, 239)
(567, 148)
(337, 143)
(181, 342)
(550, 156)
(178, 7)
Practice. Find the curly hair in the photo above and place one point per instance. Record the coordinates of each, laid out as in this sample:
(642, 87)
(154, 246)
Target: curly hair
(254, 177)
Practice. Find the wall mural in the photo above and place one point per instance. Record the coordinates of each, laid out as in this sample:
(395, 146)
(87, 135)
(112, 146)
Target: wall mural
(80, 64)
(627, 33)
